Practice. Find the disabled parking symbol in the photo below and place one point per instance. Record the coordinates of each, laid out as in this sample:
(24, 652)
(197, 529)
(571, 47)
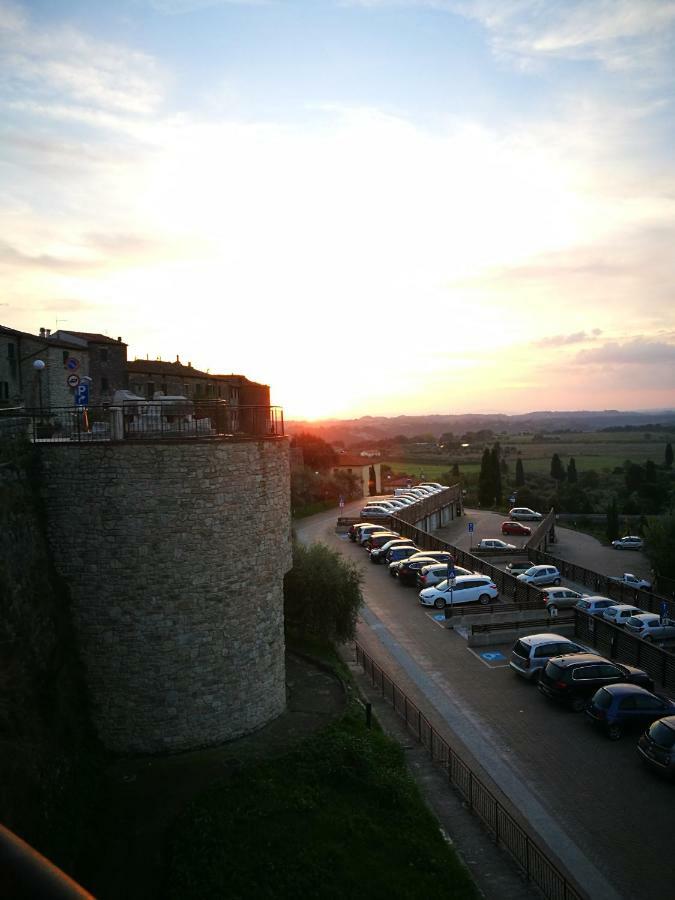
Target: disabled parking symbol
(492, 656)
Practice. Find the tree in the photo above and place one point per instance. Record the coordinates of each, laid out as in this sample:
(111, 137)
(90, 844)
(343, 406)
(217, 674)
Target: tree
(455, 470)
(572, 471)
(316, 453)
(612, 520)
(659, 543)
(322, 594)
(557, 469)
(668, 459)
(486, 490)
(496, 473)
(520, 473)
(634, 476)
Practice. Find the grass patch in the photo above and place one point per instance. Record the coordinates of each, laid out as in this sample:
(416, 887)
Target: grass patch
(338, 817)
(310, 509)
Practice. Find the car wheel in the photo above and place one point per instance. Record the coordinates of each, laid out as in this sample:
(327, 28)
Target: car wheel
(614, 732)
(485, 599)
(578, 704)
(439, 603)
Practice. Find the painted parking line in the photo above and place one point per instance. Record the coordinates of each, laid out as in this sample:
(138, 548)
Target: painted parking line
(438, 618)
(490, 657)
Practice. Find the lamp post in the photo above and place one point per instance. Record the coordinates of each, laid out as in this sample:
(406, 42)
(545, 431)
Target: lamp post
(39, 366)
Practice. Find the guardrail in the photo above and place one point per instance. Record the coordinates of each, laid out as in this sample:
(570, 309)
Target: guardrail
(544, 532)
(506, 831)
(147, 420)
(544, 622)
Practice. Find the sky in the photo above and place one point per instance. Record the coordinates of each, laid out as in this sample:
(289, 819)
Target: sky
(378, 207)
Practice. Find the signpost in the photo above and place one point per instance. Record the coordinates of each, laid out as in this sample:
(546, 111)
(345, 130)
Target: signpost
(451, 576)
(664, 612)
(470, 527)
(342, 502)
(82, 394)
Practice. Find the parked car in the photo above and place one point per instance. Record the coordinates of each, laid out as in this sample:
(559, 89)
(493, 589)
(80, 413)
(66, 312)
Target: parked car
(517, 568)
(629, 542)
(378, 553)
(365, 531)
(531, 653)
(560, 598)
(405, 499)
(433, 574)
(541, 575)
(407, 570)
(383, 502)
(574, 679)
(595, 606)
(435, 484)
(516, 528)
(619, 614)
(523, 514)
(494, 544)
(379, 538)
(657, 746)
(622, 706)
(632, 581)
(651, 627)
(398, 554)
(467, 589)
(354, 529)
(375, 512)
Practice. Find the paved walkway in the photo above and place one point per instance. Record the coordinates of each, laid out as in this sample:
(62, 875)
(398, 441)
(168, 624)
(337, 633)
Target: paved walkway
(145, 794)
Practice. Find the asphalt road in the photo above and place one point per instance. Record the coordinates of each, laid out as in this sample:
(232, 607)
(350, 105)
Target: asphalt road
(605, 817)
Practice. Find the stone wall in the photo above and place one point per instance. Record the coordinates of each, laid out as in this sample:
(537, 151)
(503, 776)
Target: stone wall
(175, 555)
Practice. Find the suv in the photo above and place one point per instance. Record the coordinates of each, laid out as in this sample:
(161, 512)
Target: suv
(657, 746)
(574, 679)
(541, 575)
(523, 514)
(530, 654)
(622, 706)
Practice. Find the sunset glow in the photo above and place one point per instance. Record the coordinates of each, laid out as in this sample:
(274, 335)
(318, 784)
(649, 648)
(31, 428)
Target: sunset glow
(378, 208)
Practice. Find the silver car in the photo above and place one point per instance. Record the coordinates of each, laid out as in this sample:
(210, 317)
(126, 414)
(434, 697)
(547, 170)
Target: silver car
(595, 606)
(530, 654)
(651, 627)
(621, 613)
(629, 542)
(541, 575)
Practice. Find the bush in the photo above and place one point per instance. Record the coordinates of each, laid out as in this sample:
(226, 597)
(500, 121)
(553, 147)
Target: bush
(322, 594)
(659, 543)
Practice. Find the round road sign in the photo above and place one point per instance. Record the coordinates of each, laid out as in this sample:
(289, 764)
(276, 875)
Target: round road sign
(72, 363)
(73, 380)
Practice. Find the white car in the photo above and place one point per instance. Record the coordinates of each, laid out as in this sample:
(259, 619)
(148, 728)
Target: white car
(467, 589)
(435, 484)
(494, 544)
(629, 542)
(434, 573)
(430, 487)
(365, 532)
(650, 626)
(632, 581)
(595, 606)
(619, 614)
(541, 575)
(523, 514)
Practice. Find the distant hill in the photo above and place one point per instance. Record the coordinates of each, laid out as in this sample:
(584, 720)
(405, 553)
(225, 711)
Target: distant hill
(376, 428)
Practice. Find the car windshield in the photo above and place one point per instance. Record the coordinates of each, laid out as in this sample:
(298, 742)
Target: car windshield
(532, 571)
(662, 735)
(634, 622)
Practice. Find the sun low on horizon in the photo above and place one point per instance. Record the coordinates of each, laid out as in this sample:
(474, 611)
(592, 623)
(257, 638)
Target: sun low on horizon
(378, 207)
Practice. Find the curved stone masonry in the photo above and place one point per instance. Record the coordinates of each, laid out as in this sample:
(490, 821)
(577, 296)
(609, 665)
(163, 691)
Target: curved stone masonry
(175, 554)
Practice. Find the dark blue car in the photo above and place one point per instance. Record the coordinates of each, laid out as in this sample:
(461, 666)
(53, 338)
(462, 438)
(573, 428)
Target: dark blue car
(621, 706)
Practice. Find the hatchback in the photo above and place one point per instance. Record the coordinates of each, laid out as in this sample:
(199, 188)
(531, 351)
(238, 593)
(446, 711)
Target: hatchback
(560, 598)
(379, 539)
(574, 679)
(467, 589)
(657, 746)
(433, 574)
(541, 575)
(398, 554)
(375, 512)
(531, 653)
(365, 531)
(354, 529)
(523, 514)
(629, 542)
(619, 614)
(515, 528)
(651, 627)
(621, 706)
(378, 553)
(595, 606)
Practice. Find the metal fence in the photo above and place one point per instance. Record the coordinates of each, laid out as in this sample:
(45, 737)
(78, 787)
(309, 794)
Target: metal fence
(507, 832)
(160, 419)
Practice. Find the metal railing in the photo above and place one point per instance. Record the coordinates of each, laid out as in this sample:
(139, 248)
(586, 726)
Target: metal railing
(160, 419)
(507, 832)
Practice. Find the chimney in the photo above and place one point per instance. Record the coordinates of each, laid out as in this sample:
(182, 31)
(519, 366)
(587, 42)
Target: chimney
(42, 332)
(48, 332)
(119, 339)
(177, 358)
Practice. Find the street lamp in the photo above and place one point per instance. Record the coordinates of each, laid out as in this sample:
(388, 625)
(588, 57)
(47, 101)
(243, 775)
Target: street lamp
(39, 366)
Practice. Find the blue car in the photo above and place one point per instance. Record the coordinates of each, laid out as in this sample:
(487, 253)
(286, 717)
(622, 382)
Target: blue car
(620, 706)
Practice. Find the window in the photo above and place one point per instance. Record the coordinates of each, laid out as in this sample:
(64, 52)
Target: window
(4, 390)
(104, 385)
(104, 354)
(149, 389)
(64, 356)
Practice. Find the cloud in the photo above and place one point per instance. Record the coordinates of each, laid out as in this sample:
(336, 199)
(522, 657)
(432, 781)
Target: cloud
(563, 340)
(11, 256)
(639, 352)
(176, 7)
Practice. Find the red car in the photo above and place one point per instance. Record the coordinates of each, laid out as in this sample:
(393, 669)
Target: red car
(515, 528)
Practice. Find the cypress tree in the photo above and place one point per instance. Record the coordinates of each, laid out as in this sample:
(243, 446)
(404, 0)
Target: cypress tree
(669, 456)
(557, 468)
(485, 482)
(496, 474)
(520, 473)
(572, 471)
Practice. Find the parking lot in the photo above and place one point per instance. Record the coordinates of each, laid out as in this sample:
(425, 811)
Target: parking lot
(605, 817)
